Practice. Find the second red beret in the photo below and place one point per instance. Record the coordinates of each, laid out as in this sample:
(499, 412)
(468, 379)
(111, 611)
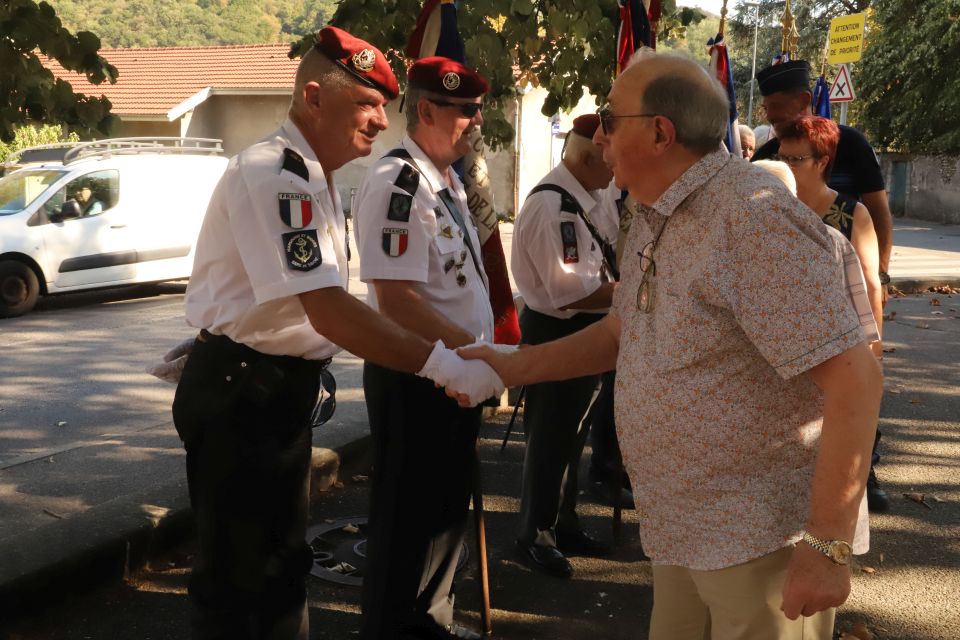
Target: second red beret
(447, 77)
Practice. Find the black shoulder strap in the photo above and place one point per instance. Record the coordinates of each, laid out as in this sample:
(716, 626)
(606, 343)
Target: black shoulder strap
(569, 203)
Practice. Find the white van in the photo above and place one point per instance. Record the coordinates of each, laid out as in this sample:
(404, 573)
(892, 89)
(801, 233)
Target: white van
(113, 212)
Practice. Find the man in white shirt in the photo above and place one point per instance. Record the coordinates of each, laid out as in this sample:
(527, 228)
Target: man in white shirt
(268, 292)
(563, 264)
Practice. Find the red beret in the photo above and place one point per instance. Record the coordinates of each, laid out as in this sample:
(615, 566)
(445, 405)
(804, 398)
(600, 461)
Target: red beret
(446, 77)
(586, 125)
(360, 59)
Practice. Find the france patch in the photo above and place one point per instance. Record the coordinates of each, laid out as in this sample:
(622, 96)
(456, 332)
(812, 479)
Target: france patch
(394, 242)
(296, 210)
(302, 250)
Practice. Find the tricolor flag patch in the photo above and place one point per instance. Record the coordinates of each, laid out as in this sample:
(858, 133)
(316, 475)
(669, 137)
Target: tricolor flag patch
(296, 210)
(394, 242)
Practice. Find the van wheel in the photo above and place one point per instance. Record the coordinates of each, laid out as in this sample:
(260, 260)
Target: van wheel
(19, 289)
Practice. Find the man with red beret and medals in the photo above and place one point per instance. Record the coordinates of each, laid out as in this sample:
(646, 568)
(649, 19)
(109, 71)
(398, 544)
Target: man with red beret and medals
(268, 292)
(420, 257)
(563, 263)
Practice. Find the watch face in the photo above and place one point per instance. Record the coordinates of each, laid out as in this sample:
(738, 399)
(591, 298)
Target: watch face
(884, 278)
(840, 552)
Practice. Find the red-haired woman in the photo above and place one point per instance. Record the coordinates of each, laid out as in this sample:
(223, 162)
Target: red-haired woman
(809, 146)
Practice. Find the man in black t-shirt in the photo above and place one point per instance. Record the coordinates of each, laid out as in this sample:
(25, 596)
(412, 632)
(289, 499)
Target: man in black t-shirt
(856, 171)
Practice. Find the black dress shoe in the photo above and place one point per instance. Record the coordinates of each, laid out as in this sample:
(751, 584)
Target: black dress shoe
(547, 559)
(877, 499)
(577, 543)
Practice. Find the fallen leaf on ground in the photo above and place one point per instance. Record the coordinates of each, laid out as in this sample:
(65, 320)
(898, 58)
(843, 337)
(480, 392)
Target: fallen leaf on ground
(936, 313)
(859, 631)
(351, 528)
(919, 498)
(936, 499)
(915, 401)
(935, 302)
(889, 349)
(923, 325)
(53, 513)
(61, 423)
(338, 485)
(890, 316)
(943, 289)
(868, 570)
(343, 568)
(360, 478)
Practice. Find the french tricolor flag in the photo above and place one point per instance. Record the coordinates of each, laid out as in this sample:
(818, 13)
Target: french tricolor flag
(295, 209)
(394, 242)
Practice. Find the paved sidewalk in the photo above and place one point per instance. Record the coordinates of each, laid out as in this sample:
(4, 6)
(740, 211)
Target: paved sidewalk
(134, 504)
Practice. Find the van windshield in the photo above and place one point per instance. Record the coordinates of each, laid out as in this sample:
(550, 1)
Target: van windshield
(20, 188)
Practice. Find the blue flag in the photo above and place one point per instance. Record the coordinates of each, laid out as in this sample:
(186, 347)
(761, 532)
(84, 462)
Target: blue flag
(821, 98)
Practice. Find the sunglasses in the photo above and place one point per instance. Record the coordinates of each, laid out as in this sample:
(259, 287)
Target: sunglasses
(468, 109)
(327, 401)
(607, 117)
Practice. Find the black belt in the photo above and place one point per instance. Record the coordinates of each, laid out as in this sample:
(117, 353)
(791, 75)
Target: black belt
(241, 350)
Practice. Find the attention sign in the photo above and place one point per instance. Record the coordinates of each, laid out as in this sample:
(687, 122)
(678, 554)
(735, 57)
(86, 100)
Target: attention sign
(846, 39)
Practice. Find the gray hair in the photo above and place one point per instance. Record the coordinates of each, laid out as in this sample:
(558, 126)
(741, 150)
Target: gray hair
(694, 102)
(411, 98)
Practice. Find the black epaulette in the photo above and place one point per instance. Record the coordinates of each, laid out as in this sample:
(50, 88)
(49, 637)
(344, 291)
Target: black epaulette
(409, 178)
(293, 162)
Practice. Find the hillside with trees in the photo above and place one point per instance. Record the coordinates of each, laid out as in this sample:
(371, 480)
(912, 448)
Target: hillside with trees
(186, 23)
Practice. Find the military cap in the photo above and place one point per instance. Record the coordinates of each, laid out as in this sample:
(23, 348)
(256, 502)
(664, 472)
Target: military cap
(781, 77)
(446, 77)
(360, 59)
(586, 125)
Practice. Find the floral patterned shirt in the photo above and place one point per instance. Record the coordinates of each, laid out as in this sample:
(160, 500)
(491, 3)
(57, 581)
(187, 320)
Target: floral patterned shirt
(719, 430)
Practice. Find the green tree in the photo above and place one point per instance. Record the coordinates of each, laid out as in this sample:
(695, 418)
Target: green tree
(909, 80)
(31, 136)
(28, 90)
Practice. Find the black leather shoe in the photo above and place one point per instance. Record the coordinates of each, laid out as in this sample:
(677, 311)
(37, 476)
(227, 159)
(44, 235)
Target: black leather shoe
(577, 543)
(545, 558)
(877, 499)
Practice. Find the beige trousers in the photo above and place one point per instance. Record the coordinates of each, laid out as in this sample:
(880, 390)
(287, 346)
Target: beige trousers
(737, 603)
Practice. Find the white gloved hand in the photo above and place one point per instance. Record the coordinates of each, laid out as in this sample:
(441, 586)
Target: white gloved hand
(173, 362)
(474, 378)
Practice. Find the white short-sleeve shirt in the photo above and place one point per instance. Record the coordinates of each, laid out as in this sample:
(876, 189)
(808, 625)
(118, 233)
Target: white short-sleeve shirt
(274, 229)
(405, 231)
(555, 260)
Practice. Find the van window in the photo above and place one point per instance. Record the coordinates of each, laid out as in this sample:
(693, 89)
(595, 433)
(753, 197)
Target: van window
(95, 193)
(19, 189)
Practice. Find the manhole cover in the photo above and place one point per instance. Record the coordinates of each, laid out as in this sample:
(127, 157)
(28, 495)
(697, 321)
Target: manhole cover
(340, 551)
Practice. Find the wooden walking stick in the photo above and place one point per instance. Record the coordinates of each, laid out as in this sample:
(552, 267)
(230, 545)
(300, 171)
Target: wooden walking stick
(480, 530)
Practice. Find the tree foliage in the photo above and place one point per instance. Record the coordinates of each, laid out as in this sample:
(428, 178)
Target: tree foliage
(910, 81)
(28, 90)
(564, 46)
(191, 23)
(31, 136)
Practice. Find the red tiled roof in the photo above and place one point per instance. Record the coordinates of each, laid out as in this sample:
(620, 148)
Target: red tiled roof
(152, 81)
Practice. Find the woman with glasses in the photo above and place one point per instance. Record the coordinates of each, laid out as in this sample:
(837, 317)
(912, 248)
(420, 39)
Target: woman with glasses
(809, 146)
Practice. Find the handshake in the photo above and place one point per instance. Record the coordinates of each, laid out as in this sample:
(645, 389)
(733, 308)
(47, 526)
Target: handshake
(469, 381)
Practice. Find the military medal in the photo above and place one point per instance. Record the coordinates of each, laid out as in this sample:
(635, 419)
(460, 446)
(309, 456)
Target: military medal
(446, 231)
(449, 264)
(461, 279)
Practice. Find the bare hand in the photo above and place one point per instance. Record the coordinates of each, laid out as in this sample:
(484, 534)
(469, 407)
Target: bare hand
(496, 358)
(814, 583)
(884, 295)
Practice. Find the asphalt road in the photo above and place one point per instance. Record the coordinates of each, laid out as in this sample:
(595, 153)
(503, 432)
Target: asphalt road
(906, 588)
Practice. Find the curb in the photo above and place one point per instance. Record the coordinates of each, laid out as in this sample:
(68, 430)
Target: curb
(921, 285)
(114, 540)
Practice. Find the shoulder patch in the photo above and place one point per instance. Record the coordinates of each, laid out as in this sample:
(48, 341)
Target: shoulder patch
(394, 241)
(296, 209)
(568, 203)
(399, 207)
(408, 180)
(568, 235)
(302, 250)
(293, 162)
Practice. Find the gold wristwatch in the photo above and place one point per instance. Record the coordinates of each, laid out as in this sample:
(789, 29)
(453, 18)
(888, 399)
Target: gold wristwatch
(838, 551)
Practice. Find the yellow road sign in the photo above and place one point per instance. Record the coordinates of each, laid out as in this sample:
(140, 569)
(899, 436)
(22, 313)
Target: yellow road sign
(846, 38)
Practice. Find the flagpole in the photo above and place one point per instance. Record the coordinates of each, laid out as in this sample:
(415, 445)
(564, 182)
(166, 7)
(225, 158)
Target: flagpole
(753, 69)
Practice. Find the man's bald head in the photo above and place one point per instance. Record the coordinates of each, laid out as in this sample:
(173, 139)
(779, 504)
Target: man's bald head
(680, 90)
(316, 67)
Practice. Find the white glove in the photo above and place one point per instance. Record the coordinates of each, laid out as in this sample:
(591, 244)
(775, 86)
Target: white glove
(173, 362)
(472, 378)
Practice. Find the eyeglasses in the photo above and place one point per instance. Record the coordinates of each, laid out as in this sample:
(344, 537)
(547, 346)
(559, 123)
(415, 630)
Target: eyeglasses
(607, 118)
(468, 109)
(793, 161)
(648, 267)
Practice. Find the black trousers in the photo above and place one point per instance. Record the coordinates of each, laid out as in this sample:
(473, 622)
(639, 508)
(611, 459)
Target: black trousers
(425, 460)
(606, 462)
(243, 418)
(553, 413)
